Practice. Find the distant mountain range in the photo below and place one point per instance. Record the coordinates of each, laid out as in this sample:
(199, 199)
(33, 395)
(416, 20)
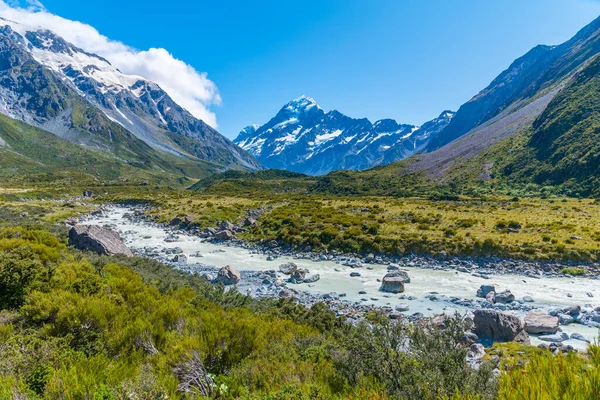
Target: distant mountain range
(69, 113)
(302, 137)
(533, 130)
(51, 84)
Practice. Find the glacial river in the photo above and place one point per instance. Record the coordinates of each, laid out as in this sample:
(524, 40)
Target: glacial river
(548, 293)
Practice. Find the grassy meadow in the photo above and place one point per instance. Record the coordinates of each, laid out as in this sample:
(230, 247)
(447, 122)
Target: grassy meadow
(561, 229)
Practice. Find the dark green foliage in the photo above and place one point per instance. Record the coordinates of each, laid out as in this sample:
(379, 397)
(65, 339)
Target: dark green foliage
(111, 328)
(425, 361)
(20, 271)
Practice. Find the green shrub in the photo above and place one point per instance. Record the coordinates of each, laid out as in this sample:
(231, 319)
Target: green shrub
(573, 271)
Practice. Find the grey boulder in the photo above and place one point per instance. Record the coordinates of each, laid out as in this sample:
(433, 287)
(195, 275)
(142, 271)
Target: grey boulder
(392, 283)
(228, 276)
(505, 297)
(484, 290)
(539, 322)
(99, 240)
(499, 326)
(312, 278)
(288, 268)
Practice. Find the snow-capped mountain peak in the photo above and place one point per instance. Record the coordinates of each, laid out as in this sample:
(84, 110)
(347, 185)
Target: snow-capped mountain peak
(44, 79)
(301, 104)
(304, 138)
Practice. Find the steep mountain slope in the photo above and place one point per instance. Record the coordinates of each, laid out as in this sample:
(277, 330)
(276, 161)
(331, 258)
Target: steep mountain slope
(30, 154)
(549, 146)
(562, 149)
(540, 70)
(49, 83)
(304, 138)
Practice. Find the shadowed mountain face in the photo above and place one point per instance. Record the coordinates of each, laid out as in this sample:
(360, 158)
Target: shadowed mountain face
(304, 138)
(51, 84)
(536, 72)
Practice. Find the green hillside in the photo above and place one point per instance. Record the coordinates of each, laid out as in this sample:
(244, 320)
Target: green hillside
(32, 155)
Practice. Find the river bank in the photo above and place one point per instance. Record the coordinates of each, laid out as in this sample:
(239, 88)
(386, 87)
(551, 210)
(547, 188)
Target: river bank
(436, 286)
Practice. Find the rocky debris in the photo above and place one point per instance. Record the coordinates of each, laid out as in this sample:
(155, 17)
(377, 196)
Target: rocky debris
(392, 283)
(223, 235)
(298, 275)
(99, 240)
(228, 276)
(72, 221)
(402, 307)
(476, 351)
(580, 337)
(312, 278)
(353, 263)
(288, 268)
(88, 194)
(484, 290)
(505, 297)
(557, 347)
(556, 337)
(226, 226)
(470, 338)
(565, 319)
(250, 222)
(208, 277)
(571, 310)
(171, 239)
(176, 221)
(528, 299)
(539, 322)
(499, 326)
(180, 258)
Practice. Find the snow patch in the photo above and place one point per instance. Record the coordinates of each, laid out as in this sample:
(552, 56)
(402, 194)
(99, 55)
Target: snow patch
(326, 137)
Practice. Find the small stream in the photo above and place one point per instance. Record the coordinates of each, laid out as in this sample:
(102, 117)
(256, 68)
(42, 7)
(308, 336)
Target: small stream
(548, 293)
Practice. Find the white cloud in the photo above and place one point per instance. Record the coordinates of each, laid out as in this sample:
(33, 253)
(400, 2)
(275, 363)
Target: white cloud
(189, 88)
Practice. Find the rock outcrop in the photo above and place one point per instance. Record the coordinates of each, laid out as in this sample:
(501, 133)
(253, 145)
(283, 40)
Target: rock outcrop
(499, 326)
(228, 276)
(392, 283)
(288, 268)
(97, 239)
(539, 322)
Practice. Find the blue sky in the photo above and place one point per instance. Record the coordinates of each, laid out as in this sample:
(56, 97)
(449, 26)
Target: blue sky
(402, 59)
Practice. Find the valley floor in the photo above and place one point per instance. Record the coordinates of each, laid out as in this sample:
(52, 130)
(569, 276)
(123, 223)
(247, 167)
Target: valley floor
(554, 229)
(83, 326)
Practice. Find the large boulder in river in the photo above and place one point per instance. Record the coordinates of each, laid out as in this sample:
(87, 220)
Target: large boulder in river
(539, 322)
(499, 326)
(223, 235)
(401, 274)
(228, 276)
(392, 283)
(484, 290)
(299, 275)
(97, 239)
(505, 297)
(288, 268)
